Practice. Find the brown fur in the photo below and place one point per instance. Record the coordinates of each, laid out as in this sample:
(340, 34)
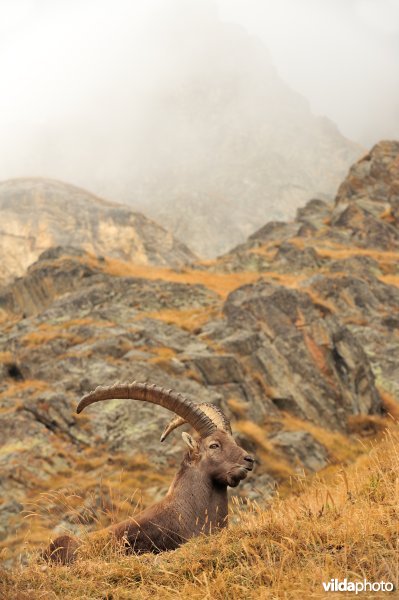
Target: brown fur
(195, 503)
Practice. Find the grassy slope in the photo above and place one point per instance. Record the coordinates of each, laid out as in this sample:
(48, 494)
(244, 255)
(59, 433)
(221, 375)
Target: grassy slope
(345, 526)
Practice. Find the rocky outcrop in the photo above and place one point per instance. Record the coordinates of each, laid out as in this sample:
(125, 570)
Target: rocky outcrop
(302, 450)
(367, 202)
(37, 214)
(364, 215)
(310, 363)
(373, 182)
(61, 271)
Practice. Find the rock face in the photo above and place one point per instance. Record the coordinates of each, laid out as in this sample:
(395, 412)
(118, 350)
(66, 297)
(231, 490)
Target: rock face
(303, 450)
(373, 182)
(36, 214)
(296, 349)
(59, 272)
(367, 203)
(312, 363)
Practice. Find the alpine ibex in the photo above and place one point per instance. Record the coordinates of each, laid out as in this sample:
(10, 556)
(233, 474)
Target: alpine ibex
(196, 501)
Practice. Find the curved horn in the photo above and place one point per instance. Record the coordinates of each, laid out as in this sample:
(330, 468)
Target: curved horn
(216, 415)
(169, 399)
(173, 423)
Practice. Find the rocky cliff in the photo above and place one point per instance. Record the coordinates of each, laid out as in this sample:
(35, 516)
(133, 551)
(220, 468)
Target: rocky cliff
(36, 214)
(294, 334)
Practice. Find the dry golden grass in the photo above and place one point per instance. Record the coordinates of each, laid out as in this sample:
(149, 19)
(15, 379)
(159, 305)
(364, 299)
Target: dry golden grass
(86, 321)
(6, 358)
(319, 356)
(193, 374)
(267, 251)
(4, 316)
(92, 495)
(268, 390)
(221, 283)
(390, 279)
(343, 528)
(162, 355)
(327, 248)
(387, 215)
(238, 408)
(319, 300)
(341, 448)
(355, 320)
(39, 338)
(289, 280)
(14, 388)
(47, 332)
(7, 319)
(188, 319)
(366, 425)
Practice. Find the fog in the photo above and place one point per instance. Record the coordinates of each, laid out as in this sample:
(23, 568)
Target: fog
(342, 55)
(86, 84)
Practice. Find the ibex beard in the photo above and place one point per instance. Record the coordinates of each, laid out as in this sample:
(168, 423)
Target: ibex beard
(196, 501)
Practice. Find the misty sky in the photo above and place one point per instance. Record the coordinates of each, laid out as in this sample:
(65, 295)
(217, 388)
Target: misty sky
(93, 67)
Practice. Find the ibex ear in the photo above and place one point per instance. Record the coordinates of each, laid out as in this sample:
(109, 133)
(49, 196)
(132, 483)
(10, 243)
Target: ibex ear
(187, 439)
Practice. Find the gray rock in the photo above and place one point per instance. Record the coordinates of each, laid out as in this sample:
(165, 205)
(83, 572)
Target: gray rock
(307, 360)
(242, 341)
(217, 369)
(315, 212)
(301, 448)
(295, 259)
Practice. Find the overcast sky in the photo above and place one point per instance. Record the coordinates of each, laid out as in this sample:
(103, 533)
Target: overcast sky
(60, 58)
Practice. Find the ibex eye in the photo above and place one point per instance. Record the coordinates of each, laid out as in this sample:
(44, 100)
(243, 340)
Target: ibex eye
(214, 446)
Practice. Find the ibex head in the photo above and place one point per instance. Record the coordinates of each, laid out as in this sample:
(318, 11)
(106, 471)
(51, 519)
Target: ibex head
(220, 457)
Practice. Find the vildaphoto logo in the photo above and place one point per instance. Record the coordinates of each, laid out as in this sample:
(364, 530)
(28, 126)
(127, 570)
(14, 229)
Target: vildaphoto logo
(335, 585)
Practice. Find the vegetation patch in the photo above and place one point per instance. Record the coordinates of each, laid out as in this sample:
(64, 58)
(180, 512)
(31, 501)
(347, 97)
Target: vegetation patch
(346, 527)
(188, 319)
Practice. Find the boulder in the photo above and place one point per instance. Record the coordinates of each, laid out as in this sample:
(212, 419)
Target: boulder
(301, 449)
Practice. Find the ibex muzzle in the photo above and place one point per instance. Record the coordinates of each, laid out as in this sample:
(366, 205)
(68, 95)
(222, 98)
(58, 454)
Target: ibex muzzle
(196, 501)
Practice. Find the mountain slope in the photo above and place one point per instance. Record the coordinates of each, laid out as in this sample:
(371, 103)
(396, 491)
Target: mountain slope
(294, 334)
(36, 214)
(232, 146)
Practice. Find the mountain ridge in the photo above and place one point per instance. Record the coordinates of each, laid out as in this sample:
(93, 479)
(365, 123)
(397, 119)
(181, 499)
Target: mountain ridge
(39, 213)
